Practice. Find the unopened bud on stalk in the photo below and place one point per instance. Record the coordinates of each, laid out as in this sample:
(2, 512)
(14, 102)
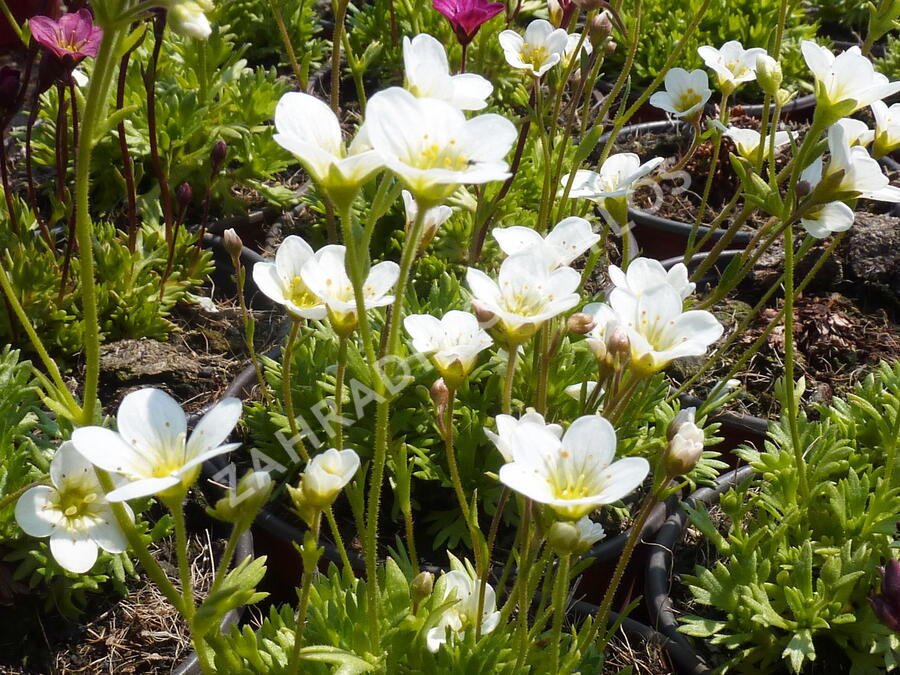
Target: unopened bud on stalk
(685, 445)
(241, 506)
(611, 47)
(184, 194)
(420, 587)
(599, 28)
(802, 188)
(768, 74)
(440, 393)
(598, 347)
(684, 416)
(564, 537)
(233, 245)
(580, 323)
(217, 156)
(618, 343)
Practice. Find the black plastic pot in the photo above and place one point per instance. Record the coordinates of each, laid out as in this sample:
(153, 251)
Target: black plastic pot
(892, 166)
(191, 665)
(658, 578)
(663, 238)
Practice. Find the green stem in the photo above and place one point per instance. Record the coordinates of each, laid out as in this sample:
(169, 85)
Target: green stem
(543, 369)
(707, 188)
(492, 538)
(286, 41)
(303, 607)
(510, 377)
(340, 15)
(339, 391)
(94, 111)
(410, 248)
(225, 560)
(560, 593)
(522, 583)
(792, 407)
(457, 481)
(250, 331)
(13, 496)
(176, 506)
(286, 391)
(338, 540)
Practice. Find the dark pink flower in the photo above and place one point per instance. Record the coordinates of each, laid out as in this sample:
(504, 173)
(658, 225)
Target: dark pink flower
(887, 604)
(466, 16)
(71, 39)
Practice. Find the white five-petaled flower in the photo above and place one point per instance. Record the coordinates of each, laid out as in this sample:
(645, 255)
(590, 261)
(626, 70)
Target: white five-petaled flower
(73, 512)
(542, 47)
(618, 177)
(432, 147)
(887, 128)
(685, 95)
(643, 274)
(862, 176)
(309, 129)
(453, 342)
(461, 584)
(574, 474)
(732, 64)
(433, 218)
(526, 294)
(589, 532)
(658, 329)
(282, 280)
(151, 448)
(428, 75)
(856, 131)
(747, 141)
(572, 44)
(569, 239)
(188, 17)
(327, 474)
(686, 441)
(848, 78)
(326, 276)
(507, 424)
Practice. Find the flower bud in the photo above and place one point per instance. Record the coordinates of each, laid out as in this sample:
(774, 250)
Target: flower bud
(887, 604)
(685, 449)
(233, 244)
(326, 475)
(598, 347)
(610, 47)
(618, 343)
(564, 538)
(802, 188)
(242, 505)
(440, 393)
(580, 323)
(768, 74)
(684, 416)
(783, 97)
(184, 194)
(420, 587)
(599, 28)
(217, 156)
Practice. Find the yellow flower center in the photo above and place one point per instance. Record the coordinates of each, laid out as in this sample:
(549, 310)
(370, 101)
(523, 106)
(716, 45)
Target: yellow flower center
(433, 156)
(687, 99)
(536, 55)
(300, 295)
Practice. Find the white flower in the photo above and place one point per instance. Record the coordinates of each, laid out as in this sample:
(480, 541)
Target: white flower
(862, 174)
(73, 513)
(434, 217)
(428, 75)
(526, 294)
(327, 474)
(569, 239)
(646, 273)
(326, 276)
(507, 424)
(887, 128)
(658, 329)
(686, 93)
(432, 147)
(827, 219)
(685, 444)
(589, 532)
(605, 322)
(453, 342)
(461, 584)
(188, 17)
(575, 474)
(732, 64)
(151, 448)
(747, 141)
(848, 78)
(572, 44)
(856, 131)
(574, 390)
(610, 187)
(308, 128)
(542, 47)
(282, 280)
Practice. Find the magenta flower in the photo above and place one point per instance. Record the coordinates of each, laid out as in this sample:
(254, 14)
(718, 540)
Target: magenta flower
(466, 16)
(71, 39)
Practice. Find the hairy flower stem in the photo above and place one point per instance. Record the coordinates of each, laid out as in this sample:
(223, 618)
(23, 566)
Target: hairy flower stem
(522, 584)
(792, 407)
(633, 538)
(95, 109)
(339, 542)
(225, 560)
(491, 540)
(560, 593)
(240, 274)
(127, 164)
(339, 391)
(159, 26)
(468, 516)
(286, 41)
(340, 15)
(510, 377)
(287, 394)
(707, 187)
(305, 590)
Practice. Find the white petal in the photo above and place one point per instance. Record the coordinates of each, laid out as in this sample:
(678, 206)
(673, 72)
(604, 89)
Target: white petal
(106, 449)
(516, 239)
(68, 463)
(267, 279)
(32, 513)
(214, 428)
(74, 551)
(152, 422)
(142, 488)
